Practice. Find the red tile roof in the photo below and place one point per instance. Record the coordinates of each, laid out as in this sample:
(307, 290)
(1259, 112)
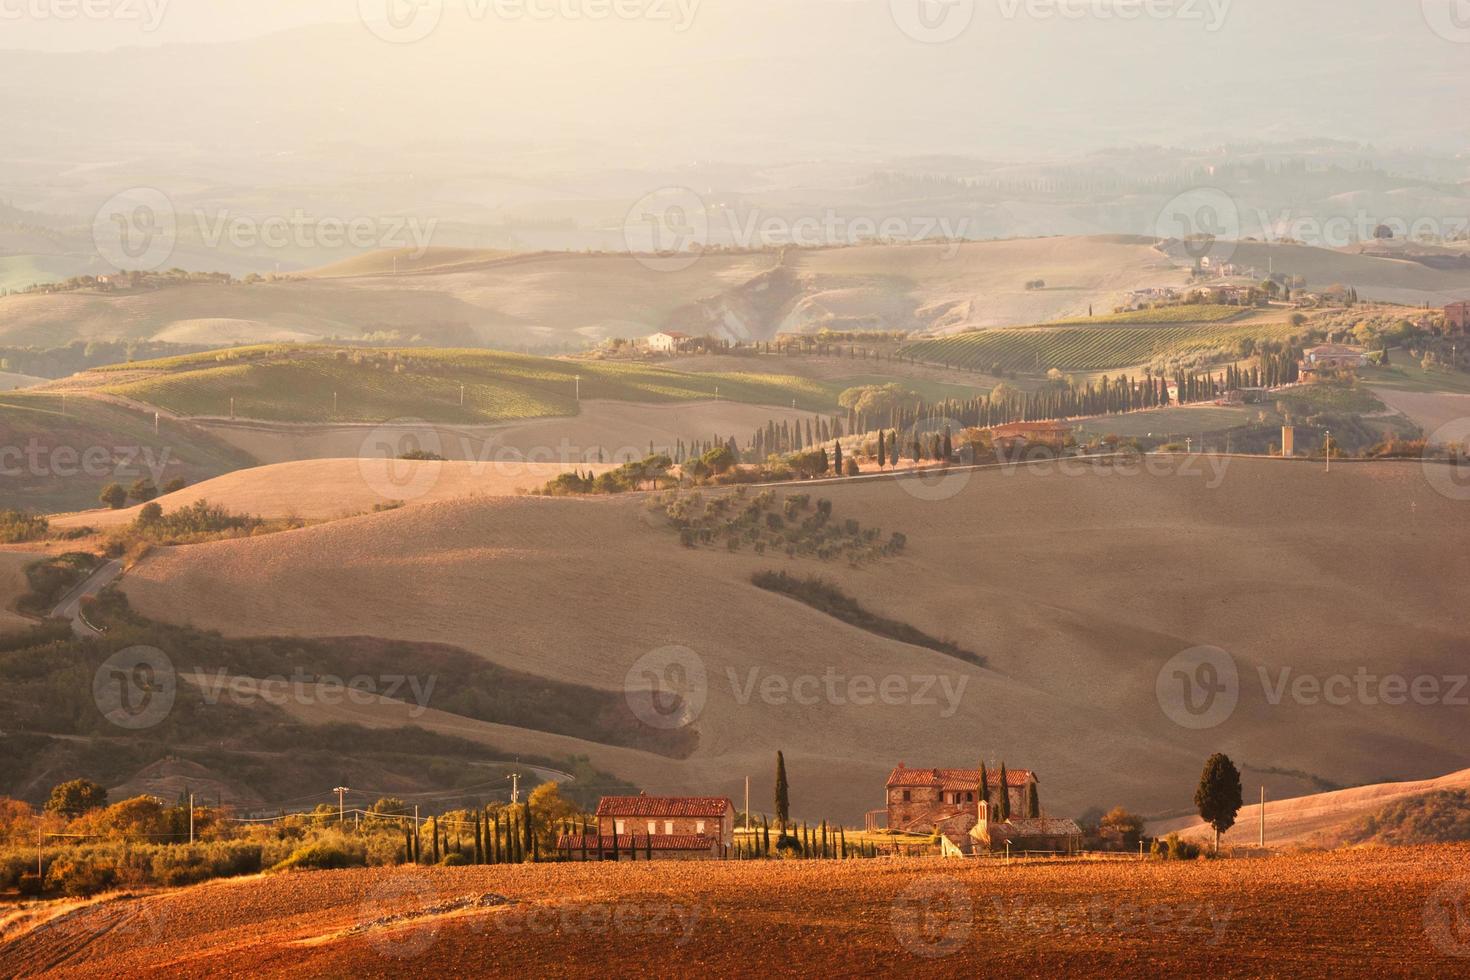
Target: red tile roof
(664, 806)
(1038, 827)
(955, 778)
(659, 842)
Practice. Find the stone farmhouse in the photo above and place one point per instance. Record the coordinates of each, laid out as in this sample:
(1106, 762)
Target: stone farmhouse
(655, 828)
(923, 801)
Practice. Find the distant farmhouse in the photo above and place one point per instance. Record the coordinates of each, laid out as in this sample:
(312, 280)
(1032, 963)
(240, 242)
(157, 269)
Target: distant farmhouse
(946, 801)
(677, 828)
(1457, 316)
(667, 341)
(1332, 359)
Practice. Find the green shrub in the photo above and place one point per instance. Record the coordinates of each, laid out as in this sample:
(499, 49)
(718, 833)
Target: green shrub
(325, 855)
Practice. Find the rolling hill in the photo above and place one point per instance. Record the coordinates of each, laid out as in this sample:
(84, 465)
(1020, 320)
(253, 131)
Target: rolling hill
(551, 301)
(1078, 587)
(1321, 819)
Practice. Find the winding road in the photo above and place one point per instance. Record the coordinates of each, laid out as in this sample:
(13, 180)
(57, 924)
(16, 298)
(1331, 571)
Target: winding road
(70, 606)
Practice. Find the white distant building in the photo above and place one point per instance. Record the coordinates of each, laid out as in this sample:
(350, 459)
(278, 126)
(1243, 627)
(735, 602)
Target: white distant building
(666, 342)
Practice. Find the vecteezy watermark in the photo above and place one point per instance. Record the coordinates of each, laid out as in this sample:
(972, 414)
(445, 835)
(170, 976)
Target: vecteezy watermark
(141, 228)
(303, 230)
(932, 21)
(94, 462)
(407, 21)
(1205, 220)
(1447, 918)
(135, 688)
(309, 690)
(603, 919)
(1450, 19)
(1211, 14)
(668, 229)
(1449, 477)
(667, 688)
(1021, 460)
(147, 14)
(396, 914)
(940, 691)
(1340, 230)
(1098, 916)
(1199, 688)
(137, 229)
(400, 460)
(933, 917)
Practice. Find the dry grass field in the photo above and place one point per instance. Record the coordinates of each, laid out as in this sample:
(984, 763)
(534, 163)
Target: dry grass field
(13, 586)
(321, 489)
(1366, 913)
(617, 429)
(1079, 585)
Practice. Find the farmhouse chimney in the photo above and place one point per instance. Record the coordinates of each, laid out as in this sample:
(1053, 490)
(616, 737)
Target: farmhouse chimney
(1288, 440)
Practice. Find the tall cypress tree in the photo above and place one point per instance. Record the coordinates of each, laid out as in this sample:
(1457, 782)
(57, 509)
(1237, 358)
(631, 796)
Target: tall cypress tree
(984, 784)
(1003, 806)
(1033, 804)
(882, 450)
(434, 832)
(528, 832)
(783, 794)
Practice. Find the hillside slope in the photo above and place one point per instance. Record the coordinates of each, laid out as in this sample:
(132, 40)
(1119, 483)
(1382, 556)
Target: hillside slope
(1321, 818)
(1078, 586)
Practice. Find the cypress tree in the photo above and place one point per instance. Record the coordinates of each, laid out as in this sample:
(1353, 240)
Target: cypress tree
(837, 458)
(479, 854)
(1033, 804)
(882, 450)
(1003, 806)
(434, 831)
(528, 832)
(783, 794)
(824, 838)
(984, 784)
(765, 836)
(842, 838)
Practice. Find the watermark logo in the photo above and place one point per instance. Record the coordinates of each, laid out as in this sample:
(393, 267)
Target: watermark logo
(603, 919)
(135, 688)
(396, 915)
(401, 21)
(667, 688)
(1447, 918)
(941, 692)
(137, 229)
(1450, 478)
(399, 459)
(1210, 13)
(1199, 688)
(1206, 220)
(147, 14)
(1450, 19)
(932, 21)
(946, 480)
(933, 917)
(667, 229)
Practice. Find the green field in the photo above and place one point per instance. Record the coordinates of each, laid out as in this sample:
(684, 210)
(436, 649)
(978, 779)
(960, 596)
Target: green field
(1103, 347)
(1405, 375)
(300, 384)
(60, 462)
(1205, 313)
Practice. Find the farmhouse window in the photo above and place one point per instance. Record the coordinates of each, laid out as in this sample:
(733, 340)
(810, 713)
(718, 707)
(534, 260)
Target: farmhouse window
(699, 826)
(620, 827)
(653, 826)
(905, 796)
(668, 826)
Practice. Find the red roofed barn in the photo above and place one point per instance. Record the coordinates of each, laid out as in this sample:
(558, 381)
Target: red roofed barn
(656, 827)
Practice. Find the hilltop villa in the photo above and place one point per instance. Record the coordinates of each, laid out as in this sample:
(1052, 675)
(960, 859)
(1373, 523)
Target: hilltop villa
(924, 801)
(1457, 316)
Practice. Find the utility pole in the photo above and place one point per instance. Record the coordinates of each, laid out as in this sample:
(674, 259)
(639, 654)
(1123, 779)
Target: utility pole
(155, 423)
(1263, 815)
(515, 787)
(747, 803)
(1328, 451)
(579, 387)
(461, 396)
(341, 792)
(334, 403)
(191, 818)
